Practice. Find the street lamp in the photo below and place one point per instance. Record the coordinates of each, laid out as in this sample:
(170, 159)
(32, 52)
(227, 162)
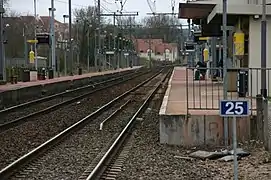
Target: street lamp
(263, 51)
(35, 35)
(65, 50)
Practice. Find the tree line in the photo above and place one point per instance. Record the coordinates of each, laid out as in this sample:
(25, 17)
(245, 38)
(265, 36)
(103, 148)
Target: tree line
(84, 32)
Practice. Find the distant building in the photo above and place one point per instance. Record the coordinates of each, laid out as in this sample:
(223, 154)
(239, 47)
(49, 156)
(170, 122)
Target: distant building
(158, 49)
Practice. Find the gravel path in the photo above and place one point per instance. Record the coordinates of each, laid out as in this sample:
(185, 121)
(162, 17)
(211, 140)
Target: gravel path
(150, 160)
(17, 141)
(75, 154)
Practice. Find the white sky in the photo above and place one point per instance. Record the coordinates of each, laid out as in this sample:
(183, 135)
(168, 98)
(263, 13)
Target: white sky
(141, 6)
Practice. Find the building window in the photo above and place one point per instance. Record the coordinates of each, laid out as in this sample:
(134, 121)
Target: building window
(141, 51)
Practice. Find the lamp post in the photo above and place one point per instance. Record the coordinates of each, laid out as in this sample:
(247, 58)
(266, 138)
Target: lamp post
(65, 45)
(52, 25)
(263, 50)
(35, 34)
(2, 65)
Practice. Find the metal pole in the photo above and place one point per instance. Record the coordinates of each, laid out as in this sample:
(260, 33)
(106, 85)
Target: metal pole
(235, 148)
(99, 32)
(25, 48)
(2, 64)
(114, 35)
(150, 51)
(70, 37)
(263, 50)
(77, 42)
(88, 49)
(53, 45)
(65, 49)
(35, 34)
(225, 83)
(263, 77)
(188, 39)
(95, 49)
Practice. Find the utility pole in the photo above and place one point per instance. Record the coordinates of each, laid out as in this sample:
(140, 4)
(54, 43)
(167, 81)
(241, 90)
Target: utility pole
(225, 80)
(25, 46)
(65, 46)
(35, 34)
(114, 36)
(88, 47)
(70, 38)
(267, 124)
(53, 45)
(2, 58)
(99, 34)
(77, 48)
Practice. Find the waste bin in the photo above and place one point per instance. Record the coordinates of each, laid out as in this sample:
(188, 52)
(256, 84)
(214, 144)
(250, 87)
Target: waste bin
(242, 83)
(79, 71)
(26, 75)
(51, 74)
(197, 75)
(232, 80)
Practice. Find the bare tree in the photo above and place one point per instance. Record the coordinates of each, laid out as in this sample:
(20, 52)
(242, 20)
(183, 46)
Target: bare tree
(84, 28)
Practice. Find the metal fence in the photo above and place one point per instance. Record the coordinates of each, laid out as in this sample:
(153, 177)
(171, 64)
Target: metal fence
(206, 93)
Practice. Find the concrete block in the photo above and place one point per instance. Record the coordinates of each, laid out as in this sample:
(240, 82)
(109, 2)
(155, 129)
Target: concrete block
(198, 130)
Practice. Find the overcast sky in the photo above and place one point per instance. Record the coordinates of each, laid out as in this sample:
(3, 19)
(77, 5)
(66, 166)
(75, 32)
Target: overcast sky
(141, 6)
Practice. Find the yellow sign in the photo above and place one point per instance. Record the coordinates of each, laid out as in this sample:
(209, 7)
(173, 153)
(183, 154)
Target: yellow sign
(239, 43)
(203, 38)
(206, 55)
(31, 57)
(32, 41)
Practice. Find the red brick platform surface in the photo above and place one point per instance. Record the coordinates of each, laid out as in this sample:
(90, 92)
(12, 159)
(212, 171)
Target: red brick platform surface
(186, 96)
(19, 85)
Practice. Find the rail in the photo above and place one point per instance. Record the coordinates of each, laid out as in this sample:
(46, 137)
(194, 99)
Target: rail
(98, 170)
(206, 93)
(48, 98)
(10, 124)
(11, 168)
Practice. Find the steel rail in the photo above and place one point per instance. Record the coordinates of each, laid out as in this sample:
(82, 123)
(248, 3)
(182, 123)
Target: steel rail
(48, 98)
(10, 124)
(9, 170)
(98, 170)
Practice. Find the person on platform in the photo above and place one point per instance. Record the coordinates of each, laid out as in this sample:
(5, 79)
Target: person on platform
(202, 68)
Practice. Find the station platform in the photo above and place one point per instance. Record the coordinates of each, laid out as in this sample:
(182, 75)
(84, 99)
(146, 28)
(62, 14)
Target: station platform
(189, 114)
(12, 93)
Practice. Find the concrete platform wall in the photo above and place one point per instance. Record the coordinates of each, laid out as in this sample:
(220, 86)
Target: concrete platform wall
(198, 130)
(16, 96)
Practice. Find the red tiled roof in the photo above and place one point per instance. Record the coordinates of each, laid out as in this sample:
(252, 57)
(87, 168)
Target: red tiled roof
(157, 45)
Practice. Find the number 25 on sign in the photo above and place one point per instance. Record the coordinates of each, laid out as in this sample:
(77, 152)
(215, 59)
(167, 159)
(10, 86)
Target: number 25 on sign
(234, 108)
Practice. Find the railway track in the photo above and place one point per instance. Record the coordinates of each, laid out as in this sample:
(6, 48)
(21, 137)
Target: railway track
(69, 153)
(25, 137)
(15, 115)
(93, 80)
(111, 162)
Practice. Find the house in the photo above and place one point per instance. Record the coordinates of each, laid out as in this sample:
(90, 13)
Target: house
(159, 50)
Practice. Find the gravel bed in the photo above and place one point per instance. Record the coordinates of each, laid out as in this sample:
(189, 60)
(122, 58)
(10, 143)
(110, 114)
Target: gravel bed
(19, 140)
(37, 107)
(70, 159)
(148, 159)
(30, 109)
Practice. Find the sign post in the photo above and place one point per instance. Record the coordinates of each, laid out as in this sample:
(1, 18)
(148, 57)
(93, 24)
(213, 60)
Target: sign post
(234, 109)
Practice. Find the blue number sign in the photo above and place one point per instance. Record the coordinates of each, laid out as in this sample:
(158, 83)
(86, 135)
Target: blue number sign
(234, 108)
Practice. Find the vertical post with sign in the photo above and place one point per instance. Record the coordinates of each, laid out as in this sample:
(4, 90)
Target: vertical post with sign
(234, 109)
